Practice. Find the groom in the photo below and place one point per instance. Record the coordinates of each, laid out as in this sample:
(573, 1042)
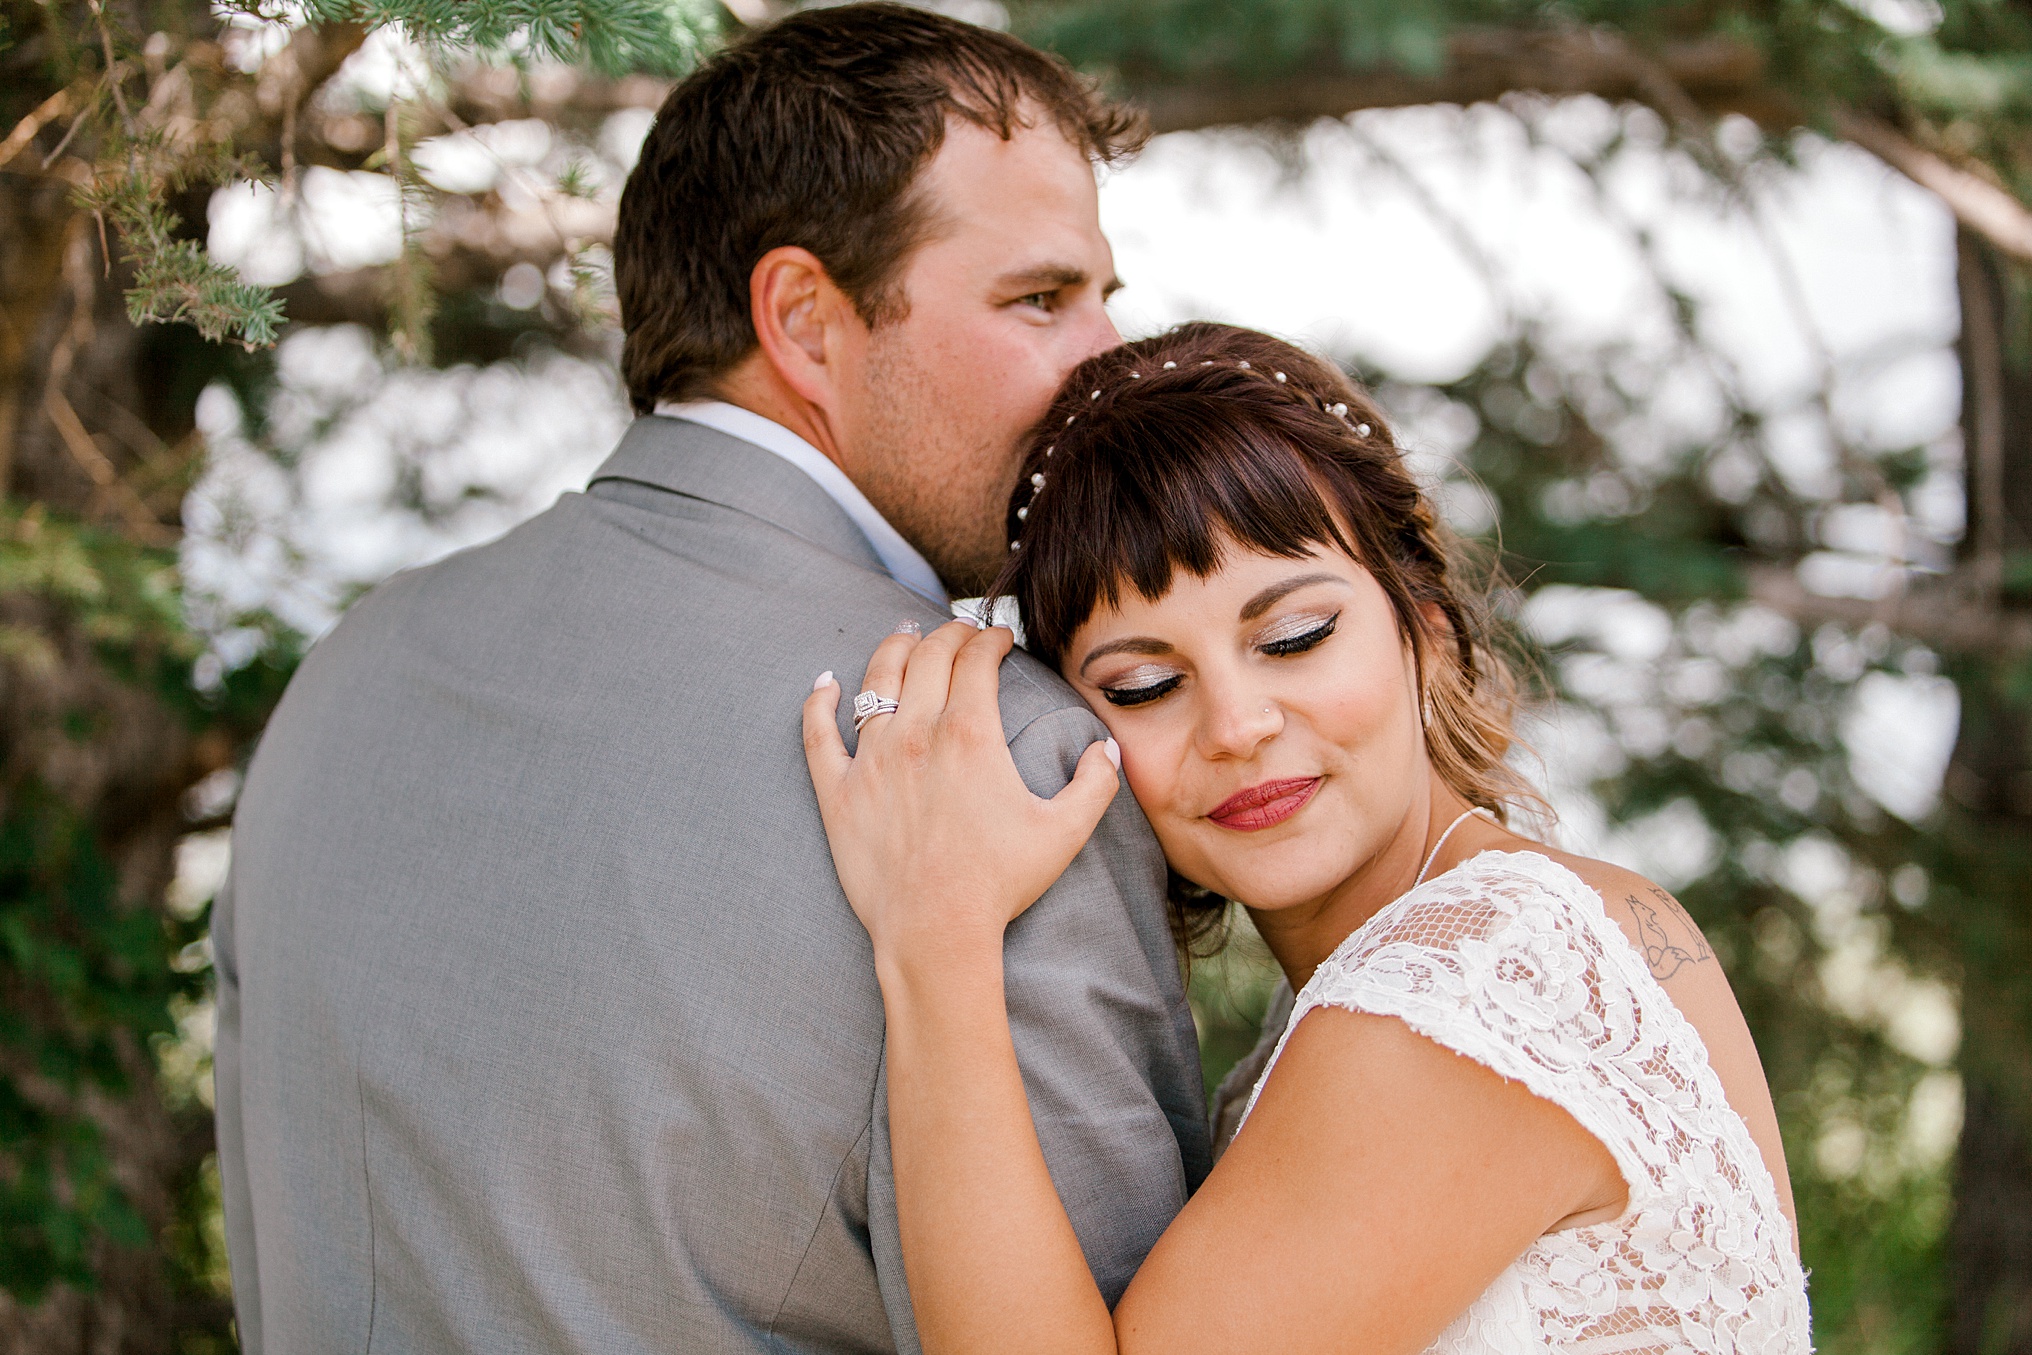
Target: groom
(543, 1024)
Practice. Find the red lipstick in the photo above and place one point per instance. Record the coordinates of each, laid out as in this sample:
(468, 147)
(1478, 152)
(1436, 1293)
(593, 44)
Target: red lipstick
(1262, 806)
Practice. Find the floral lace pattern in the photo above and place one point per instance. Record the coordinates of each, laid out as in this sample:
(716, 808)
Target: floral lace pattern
(1511, 960)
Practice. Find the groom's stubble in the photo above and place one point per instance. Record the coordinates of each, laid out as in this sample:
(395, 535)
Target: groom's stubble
(1001, 300)
(940, 479)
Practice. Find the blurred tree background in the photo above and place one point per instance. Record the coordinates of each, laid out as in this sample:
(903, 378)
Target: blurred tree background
(1737, 598)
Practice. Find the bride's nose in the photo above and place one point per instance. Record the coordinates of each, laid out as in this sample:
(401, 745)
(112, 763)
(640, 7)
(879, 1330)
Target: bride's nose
(1237, 721)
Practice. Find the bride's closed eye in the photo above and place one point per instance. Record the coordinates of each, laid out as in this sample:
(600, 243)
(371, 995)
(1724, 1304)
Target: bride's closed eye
(1146, 682)
(1285, 637)
(1296, 634)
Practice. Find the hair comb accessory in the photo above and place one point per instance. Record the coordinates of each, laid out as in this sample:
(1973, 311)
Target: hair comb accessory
(1095, 396)
(1023, 513)
(1070, 417)
(1169, 365)
(1361, 430)
(1339, 411)
(1280, 378)
(1037, 480)
(1244, 365)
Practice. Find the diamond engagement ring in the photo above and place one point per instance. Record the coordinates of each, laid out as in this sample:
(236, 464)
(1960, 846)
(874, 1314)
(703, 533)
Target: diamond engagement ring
(870, 704)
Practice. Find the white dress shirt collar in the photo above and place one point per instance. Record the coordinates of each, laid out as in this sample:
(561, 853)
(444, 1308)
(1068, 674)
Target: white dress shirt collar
(898, 556)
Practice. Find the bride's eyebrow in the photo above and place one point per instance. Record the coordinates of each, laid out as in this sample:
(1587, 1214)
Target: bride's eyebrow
(1276, 592)
(1135, 644)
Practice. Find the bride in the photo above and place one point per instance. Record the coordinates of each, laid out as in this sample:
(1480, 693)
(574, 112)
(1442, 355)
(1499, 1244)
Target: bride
(1516, 1108)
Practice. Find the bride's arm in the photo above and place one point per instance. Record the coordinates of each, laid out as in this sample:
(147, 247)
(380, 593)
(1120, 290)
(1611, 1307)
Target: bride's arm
(991, 1257)
(1382, 1182)
(939, 845)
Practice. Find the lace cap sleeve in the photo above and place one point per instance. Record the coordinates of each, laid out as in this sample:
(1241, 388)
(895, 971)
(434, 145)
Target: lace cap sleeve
(1511, 961)
(1506, 960)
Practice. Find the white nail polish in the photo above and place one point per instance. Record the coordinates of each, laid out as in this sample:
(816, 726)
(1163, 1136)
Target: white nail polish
(825, 680)
(1114, 752)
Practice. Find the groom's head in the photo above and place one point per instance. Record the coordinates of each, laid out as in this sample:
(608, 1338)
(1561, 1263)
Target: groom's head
(877, 226)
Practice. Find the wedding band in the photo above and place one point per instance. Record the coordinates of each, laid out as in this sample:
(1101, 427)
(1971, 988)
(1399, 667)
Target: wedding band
(870, 704)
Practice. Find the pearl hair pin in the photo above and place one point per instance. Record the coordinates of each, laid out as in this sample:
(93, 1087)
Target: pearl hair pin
(1338, 409)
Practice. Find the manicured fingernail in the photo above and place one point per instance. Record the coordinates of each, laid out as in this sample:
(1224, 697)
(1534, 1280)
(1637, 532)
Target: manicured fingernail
(1114, 752)
(825, 680)
(971, 620)
(909, 628)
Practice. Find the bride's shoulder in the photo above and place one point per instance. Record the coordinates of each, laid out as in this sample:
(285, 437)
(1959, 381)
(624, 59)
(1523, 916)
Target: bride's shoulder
(1542, 887)
(1657, 925)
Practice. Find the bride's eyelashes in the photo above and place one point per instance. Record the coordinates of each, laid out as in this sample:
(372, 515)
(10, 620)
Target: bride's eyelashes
(1296, 634)
(1141, 685)
(1291, 635)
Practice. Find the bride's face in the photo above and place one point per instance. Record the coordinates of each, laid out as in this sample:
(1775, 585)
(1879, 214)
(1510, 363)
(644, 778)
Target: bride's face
(1268, 721)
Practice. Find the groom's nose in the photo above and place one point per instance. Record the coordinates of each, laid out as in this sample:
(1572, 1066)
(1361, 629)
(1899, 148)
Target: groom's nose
(1101, 334)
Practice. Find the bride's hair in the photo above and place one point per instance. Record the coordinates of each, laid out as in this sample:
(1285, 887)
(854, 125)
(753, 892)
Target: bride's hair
(1157, 455)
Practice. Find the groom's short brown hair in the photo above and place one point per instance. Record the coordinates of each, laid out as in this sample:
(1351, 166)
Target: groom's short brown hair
(810, 133)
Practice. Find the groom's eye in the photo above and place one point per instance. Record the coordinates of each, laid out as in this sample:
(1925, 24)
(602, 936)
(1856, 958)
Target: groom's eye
(1297, 644)
(1041, 300)
(1136, 696)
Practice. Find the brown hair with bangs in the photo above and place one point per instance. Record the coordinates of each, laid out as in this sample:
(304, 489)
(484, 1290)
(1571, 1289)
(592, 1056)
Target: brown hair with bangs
(1162, 454)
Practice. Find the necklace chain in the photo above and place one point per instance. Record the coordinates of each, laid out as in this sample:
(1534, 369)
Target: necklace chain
(1434, 855)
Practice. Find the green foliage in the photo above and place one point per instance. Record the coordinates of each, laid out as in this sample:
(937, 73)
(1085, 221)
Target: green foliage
(1185, 39)
(1818, 49)
(85, 974)
(137, 164)
(119, 596)
(1879, 1265)
(614, 37)
(174, 278)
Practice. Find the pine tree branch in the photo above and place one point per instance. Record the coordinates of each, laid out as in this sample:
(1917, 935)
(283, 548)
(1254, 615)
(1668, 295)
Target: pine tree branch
(1718, 74)
(26, 130)
(1683, 81)
(1982, 206)
(1946, 614)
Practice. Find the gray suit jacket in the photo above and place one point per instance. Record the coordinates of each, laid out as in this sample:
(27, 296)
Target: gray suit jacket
(543, 1023)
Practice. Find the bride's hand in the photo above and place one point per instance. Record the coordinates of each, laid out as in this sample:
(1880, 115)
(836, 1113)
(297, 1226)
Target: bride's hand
(938, 842)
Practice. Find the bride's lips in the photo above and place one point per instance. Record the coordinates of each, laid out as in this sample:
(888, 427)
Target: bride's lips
(1262, 806)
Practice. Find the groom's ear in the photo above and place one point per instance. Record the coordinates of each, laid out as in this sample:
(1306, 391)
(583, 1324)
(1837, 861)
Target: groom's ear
(801, 321)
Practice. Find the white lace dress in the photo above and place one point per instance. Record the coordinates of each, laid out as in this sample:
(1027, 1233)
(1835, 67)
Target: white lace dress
(1510, 959)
